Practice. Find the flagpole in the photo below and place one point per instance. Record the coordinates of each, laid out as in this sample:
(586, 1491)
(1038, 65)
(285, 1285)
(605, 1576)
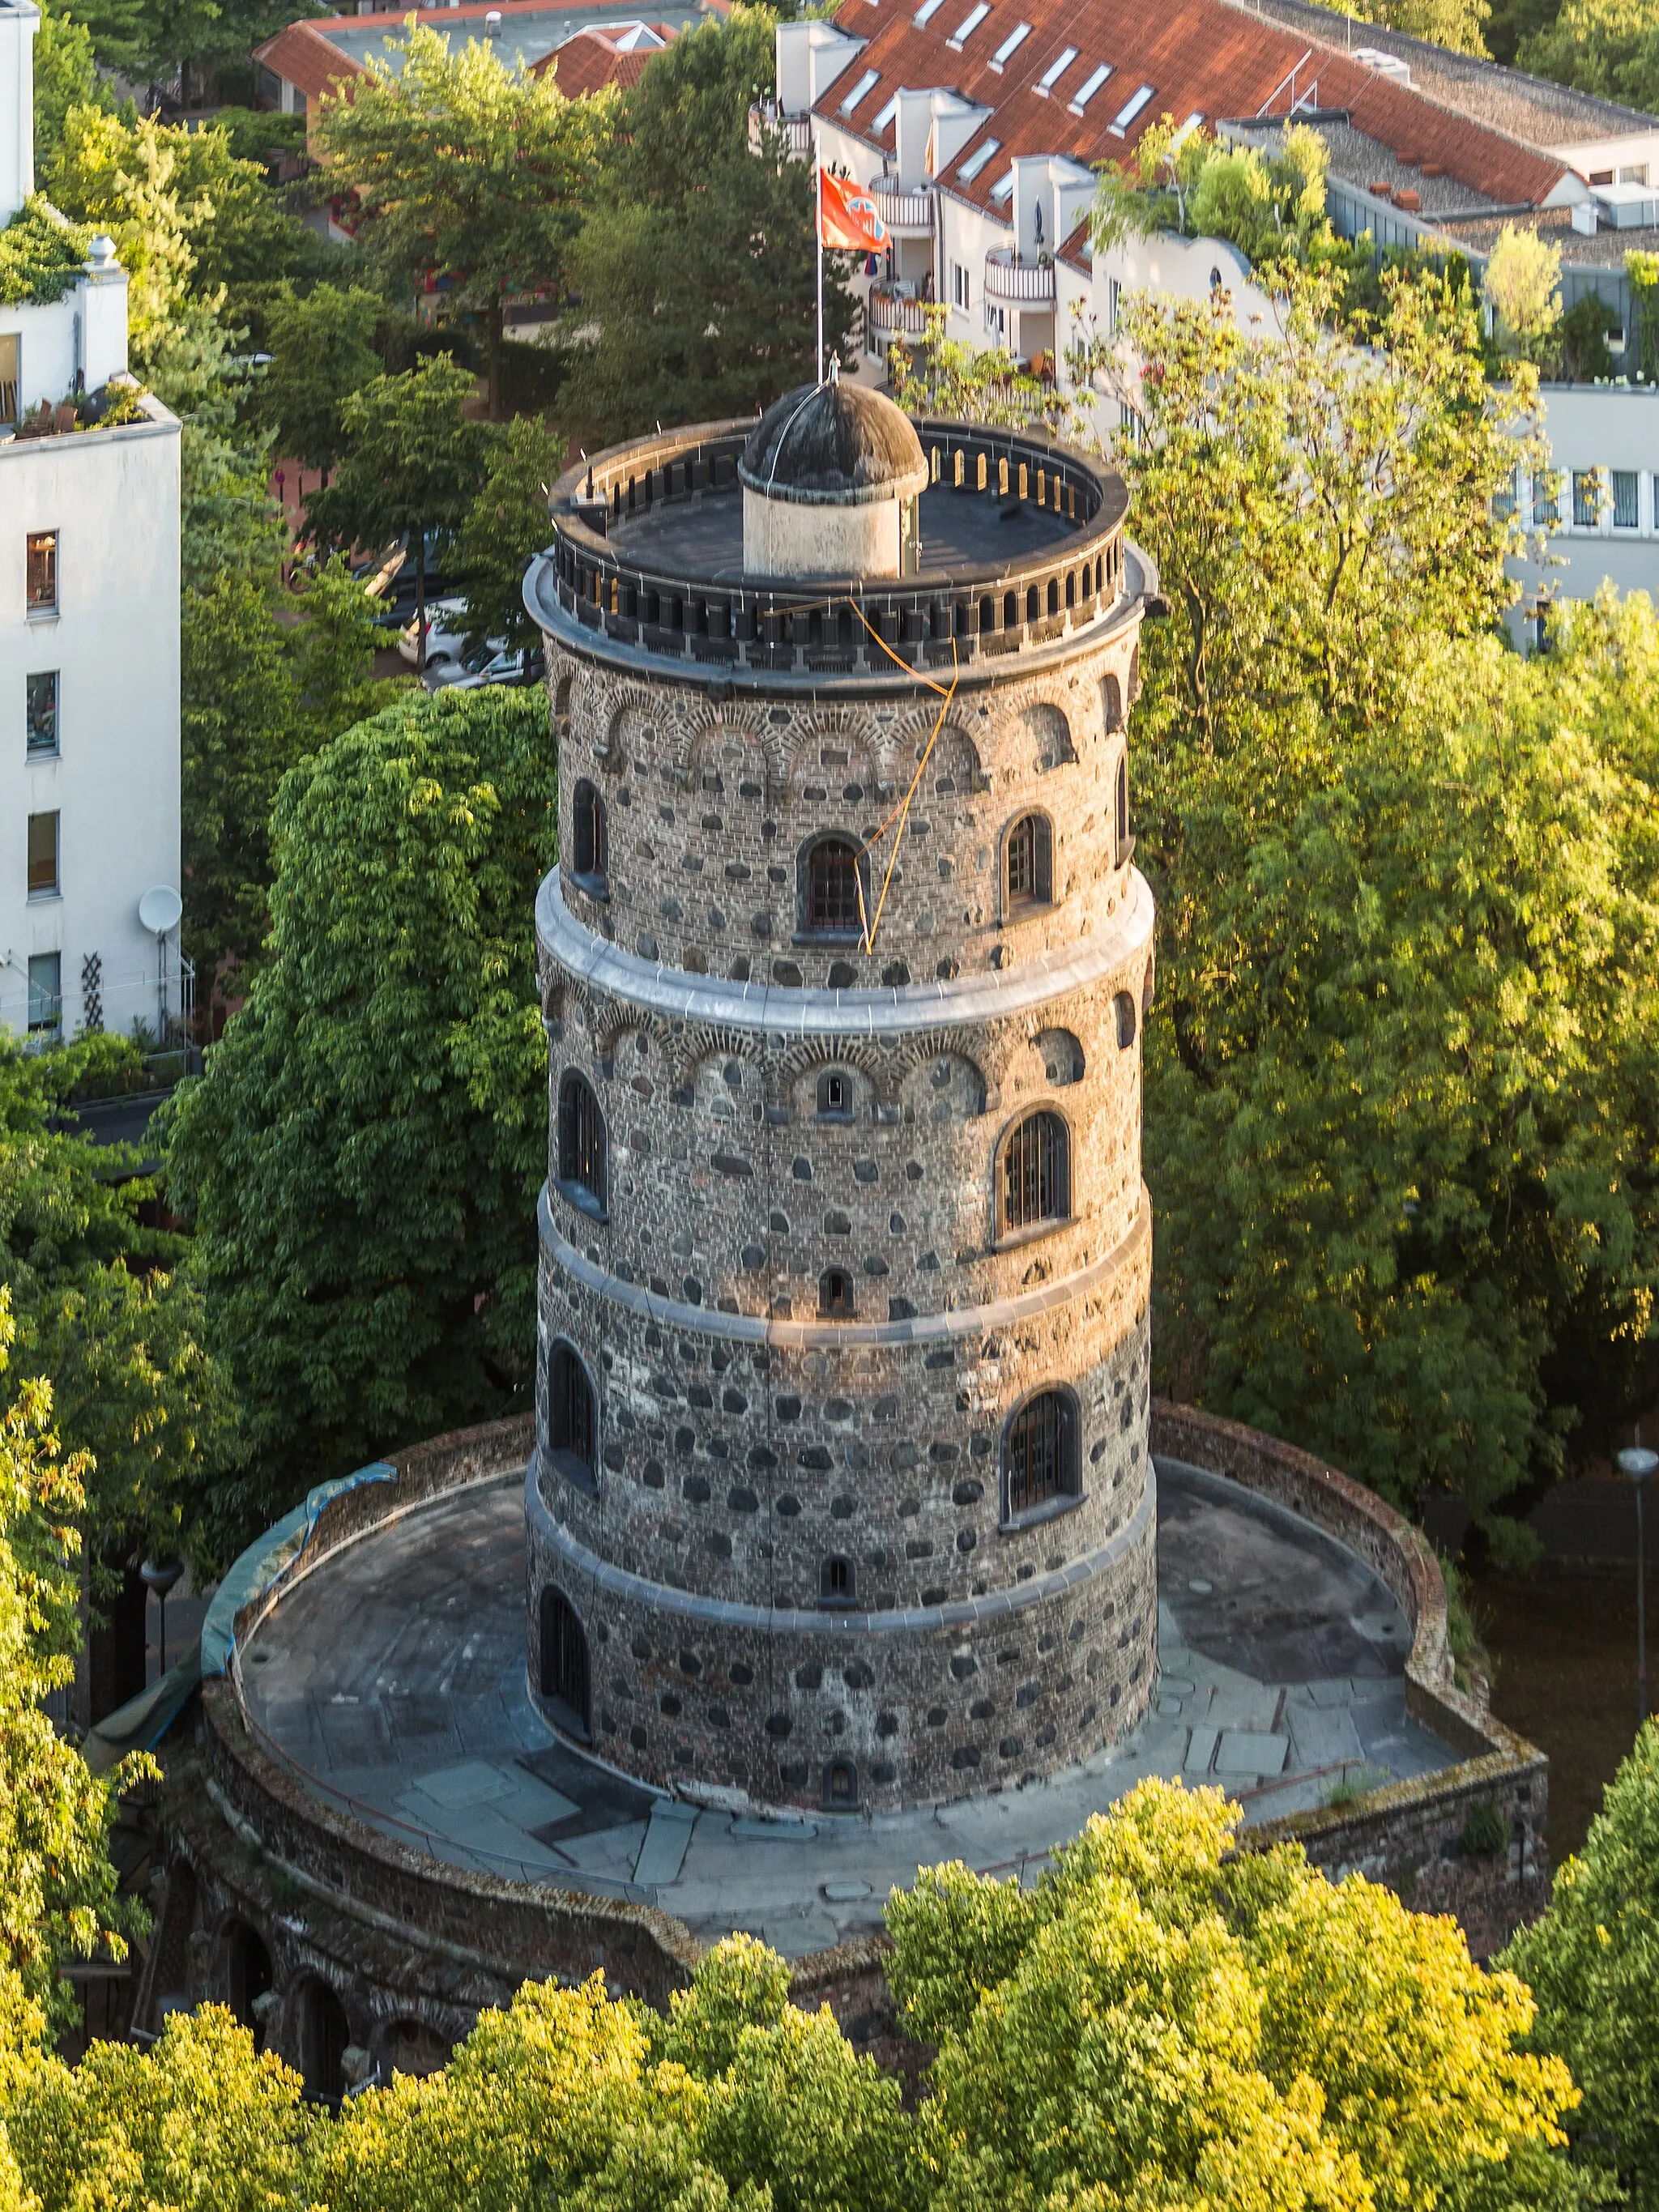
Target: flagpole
(817, 193)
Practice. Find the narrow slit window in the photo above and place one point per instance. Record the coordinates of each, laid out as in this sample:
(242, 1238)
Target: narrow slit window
(41, 713)
(42, 572)
(589, 836)
(43, 855)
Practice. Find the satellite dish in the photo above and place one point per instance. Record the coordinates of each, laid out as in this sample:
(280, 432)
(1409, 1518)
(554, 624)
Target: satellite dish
(160, 909)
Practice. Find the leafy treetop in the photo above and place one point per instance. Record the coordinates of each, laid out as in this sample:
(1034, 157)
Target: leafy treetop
(41, 256)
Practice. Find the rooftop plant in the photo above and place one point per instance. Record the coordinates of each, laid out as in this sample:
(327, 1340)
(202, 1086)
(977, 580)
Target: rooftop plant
(41, 255)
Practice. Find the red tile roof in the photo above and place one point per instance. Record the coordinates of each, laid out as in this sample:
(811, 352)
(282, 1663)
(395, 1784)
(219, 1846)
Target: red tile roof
(591, 59)
(1198, 55)
(302, 56)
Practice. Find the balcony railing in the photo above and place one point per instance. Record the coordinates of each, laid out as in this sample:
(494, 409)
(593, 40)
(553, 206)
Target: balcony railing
(892, 316)
(797, 130)
(901, 210)
(1025, 283)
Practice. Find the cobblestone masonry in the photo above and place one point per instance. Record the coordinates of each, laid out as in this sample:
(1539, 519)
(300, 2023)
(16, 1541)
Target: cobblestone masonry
(742, 1443)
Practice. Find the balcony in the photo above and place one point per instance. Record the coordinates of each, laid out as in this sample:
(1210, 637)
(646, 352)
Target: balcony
(797, 130)
(906, 214)
(1022, 283)
(893, 312)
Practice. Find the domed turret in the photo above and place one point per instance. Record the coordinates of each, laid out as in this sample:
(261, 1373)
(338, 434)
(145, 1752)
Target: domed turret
(831, 482)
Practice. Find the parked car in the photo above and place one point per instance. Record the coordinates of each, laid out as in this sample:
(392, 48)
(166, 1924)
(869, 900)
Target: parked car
(493, 662)
(446, 634)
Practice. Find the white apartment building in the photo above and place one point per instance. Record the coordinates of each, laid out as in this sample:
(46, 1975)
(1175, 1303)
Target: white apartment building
(89, 738)
(978, 126)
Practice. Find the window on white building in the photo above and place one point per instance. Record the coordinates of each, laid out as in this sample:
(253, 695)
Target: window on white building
(42, 572)
(11, 375)
(43, 855)
(41, 713)
(1627, 499)
(996, 322)
(1546, 499)
(45, 994)
(959, 295)
(1586, 499)
(1114, 298)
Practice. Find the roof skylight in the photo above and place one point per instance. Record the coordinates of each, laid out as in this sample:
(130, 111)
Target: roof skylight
(971, 167)
(1130, 107)
(1056, 69)
(1089, 87)
(1003, 192)
(886, 115)
(969, 23)
(1011, 45)
(926, 12)
(870, 78)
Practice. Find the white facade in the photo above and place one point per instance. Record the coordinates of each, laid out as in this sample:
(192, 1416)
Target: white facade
(89, 729)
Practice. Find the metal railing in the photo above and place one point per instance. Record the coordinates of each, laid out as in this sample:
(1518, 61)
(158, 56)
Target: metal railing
(892, 314)
(1030, 283)
(903, 211)
(796, 131)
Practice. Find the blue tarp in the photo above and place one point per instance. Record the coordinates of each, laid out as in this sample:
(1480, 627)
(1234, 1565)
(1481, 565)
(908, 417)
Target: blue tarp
(268, 1559)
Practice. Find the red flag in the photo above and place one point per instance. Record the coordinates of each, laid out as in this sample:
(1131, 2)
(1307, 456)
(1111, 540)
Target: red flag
(847, 220)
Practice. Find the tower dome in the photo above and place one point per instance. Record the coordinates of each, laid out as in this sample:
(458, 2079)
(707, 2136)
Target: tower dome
(831, 480)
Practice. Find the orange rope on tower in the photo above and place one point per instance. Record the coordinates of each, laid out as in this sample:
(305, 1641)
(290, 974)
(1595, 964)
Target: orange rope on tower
(901, 813)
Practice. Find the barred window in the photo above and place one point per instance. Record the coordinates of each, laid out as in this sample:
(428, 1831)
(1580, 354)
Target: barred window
(830, 904)
(1587, 499)
(1039, 1453)
(1030, 862)
(564, 1662)
(588, 838)
(1036, 1179)
(581, 1144)
(569, 1407)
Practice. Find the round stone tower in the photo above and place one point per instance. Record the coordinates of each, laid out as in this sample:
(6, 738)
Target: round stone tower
(841, 1496)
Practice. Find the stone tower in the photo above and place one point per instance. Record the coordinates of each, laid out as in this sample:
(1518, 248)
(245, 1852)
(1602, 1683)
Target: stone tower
(842, 1496)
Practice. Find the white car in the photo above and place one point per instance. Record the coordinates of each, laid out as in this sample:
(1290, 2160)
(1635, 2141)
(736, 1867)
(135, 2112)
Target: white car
(446, 634)
(493, 662)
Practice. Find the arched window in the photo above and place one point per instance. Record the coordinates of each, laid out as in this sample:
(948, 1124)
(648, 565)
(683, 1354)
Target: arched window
(837, 1584)
(570, 1423)
(835, 1294)
(1036, 1179)
(1029, 865)
(1123, 1009)
(248, 1976)
(564, 1663)
(841, 1786)
(834, 1096)
(581, 1144)
(1112, 702)
(588, 840)
(1039, 1453)
(1125, 843)
(323, 2035)
(830, 904)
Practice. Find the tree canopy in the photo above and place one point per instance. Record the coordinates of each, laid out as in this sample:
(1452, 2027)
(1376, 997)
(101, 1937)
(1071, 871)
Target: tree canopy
(360, 1162)
(464, 166)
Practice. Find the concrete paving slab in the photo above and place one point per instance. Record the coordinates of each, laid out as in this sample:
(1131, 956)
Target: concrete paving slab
(473, 1782)
(1246, 1751)
(612, 1851)
(1321, 1737)
(1200, 1751)
(662, 1854)
(1339, 1691)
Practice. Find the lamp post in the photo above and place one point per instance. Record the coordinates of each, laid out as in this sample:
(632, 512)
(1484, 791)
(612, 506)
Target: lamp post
(1637, 1463)
(160, 1574)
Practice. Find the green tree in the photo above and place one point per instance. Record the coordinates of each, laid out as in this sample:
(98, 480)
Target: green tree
(66, 75)
(1593, 1964)
(58, 1895)
(415, 465)
(98, 1306)
(1609, 47)
(696, 267)
(360, 1162)
(322, 348)
(1459, 24)
(506, 524)
(1160, 2022)
(1396, 1103)
(464, 166)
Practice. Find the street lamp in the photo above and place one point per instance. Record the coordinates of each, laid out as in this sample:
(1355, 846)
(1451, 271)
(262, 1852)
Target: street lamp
(1637, 1463)
(160, 1574)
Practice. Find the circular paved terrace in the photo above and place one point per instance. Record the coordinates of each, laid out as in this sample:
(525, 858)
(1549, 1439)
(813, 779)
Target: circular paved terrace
(392, 1678)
